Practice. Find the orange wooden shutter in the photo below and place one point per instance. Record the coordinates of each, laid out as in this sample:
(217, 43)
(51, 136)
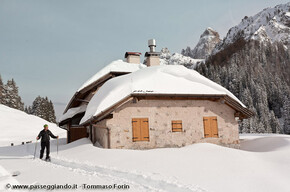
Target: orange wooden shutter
(210, 127)
(206, 124)
(144, 129)
(136, 129)
(176, 126)
(214, 127)
(140, 129)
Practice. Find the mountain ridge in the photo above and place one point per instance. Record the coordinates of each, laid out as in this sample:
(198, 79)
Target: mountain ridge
(269, 25)
(253, 62)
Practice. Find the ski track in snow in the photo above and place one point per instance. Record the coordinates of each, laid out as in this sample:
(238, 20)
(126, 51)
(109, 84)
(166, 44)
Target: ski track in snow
(140, 181)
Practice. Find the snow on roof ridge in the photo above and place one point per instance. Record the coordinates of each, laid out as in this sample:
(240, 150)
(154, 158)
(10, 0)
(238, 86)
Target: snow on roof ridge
(163, 79)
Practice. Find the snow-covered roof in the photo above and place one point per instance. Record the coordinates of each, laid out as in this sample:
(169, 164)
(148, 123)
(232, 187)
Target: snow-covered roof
(72, 112)
(163, 79)
(115, 66)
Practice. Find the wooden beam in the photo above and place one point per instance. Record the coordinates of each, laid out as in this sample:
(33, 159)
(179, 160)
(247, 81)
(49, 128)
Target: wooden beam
(149, 96)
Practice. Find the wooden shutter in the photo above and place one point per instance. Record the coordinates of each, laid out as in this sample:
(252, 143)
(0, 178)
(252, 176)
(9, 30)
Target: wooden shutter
(136, 129)
(206, 124)
(176, 125)
(140, 129)
(144, 129)
(214, 127)
(210, 127)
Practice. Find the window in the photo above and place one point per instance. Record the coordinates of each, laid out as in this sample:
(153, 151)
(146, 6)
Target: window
(210, 127)
(176, 126)
(140, 129)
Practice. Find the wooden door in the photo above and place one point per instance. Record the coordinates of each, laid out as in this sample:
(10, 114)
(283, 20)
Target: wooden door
(77, 133)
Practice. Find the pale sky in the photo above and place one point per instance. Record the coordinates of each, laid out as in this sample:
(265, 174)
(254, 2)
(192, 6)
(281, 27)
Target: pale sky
(51, 47)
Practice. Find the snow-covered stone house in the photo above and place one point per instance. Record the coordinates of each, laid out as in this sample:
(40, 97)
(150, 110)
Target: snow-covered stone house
(133, 106)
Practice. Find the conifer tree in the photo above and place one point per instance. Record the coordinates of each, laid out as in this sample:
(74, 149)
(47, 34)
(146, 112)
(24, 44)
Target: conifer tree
(249, 76)
(11, 97)
(43, 107)
(51, 117)
(286, 115)
(1, 90)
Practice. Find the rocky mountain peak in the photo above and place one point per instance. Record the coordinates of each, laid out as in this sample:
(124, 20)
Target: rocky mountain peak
(209, 32)
(208, 40)
(206, 44)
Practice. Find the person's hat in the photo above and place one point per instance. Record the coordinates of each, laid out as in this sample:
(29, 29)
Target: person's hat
(45, 125)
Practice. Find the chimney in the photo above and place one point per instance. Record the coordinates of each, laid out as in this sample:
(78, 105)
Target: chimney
(152, 45)
(152, 57)
(132, 57)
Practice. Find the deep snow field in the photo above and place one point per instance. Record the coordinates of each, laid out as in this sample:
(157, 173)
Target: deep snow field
(261, 165)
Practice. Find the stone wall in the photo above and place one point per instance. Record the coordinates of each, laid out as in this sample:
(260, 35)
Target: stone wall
(161, 113)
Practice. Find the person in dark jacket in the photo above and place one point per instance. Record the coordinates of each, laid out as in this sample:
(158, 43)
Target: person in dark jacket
(45, 135)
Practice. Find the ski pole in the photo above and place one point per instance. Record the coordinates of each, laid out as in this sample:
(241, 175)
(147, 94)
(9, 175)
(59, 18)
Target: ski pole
(57, 147)
(35, 149)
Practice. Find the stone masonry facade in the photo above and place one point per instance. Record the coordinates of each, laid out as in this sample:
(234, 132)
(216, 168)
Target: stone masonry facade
(160, 114)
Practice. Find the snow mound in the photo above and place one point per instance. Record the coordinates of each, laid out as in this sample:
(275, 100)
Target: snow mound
(210, 166)
(264, 142)
(115, 66)
(17, 126)
(163, 79)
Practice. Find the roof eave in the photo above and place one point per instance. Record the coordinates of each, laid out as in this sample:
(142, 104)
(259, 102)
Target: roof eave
(70, 102)
(245, 112)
